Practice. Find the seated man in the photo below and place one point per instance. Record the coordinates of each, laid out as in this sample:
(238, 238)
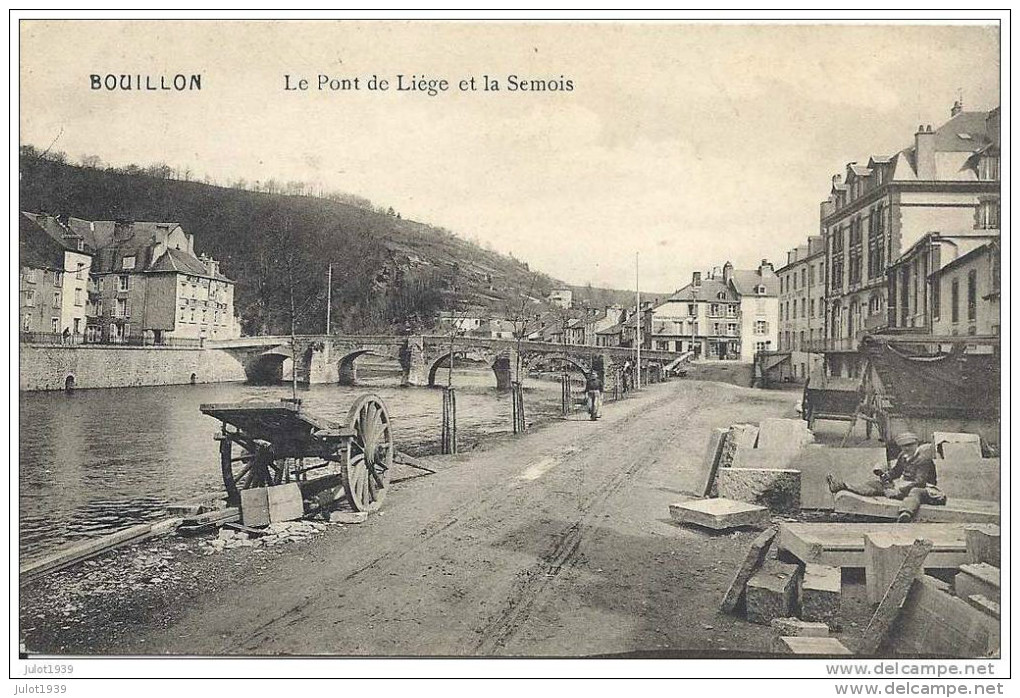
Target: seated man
(910, 477)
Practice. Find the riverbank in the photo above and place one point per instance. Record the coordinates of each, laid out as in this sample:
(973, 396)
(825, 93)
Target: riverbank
(557, 542)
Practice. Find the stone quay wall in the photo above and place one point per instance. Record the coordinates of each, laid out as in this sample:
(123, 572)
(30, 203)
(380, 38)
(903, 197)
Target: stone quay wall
(104, 366)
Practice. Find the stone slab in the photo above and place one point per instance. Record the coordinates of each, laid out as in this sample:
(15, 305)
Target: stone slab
(983, 545)
(985, 605)
(767, 458)
(953, 452)
(842, 544)
(888, 609)
(883, 555)
(710, 463)
(771, 591)
(285, 502)
(956, 437)
(348, 517)
(978, 579)
(255, 507)
(744, 435)
(786, 435)
(752, 561)
(719, 514)
(814, 462)
(812, 646)
(955, 510)
(779, 490)
(934, 623)
(795, 627)
(820, 594)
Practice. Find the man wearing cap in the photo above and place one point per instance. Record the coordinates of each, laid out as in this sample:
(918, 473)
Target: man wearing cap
(910, 477)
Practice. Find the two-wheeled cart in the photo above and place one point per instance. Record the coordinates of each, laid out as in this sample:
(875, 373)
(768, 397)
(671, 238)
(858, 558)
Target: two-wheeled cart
(263, 444)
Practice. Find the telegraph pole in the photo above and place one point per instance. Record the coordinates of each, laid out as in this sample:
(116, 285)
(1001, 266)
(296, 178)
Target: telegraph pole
(637, 324)
(329, 295)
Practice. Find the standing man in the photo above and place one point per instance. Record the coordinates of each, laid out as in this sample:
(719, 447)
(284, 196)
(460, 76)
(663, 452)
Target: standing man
(910, 477)
(593, 389)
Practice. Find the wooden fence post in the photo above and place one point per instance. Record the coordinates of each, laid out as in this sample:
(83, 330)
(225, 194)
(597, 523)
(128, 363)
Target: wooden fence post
(449, 434)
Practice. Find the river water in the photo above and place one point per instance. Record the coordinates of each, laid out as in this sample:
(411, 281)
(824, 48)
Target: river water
(97, 461)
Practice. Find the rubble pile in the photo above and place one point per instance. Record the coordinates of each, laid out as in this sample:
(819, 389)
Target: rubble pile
(273, 534)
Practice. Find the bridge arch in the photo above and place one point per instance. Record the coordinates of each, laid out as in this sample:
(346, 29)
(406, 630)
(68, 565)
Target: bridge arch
(345, 367)
(572, 361)
(443, 360)
(267, 368)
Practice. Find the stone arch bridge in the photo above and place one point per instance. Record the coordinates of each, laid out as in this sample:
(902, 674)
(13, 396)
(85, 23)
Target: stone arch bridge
(333, 358)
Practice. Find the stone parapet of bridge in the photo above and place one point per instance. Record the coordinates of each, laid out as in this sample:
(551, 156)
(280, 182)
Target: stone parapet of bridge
(332, 358)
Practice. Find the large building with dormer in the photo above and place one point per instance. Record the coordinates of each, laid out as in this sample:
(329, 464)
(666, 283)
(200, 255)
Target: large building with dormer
(725, 314)
(145, 284)
(947, 180)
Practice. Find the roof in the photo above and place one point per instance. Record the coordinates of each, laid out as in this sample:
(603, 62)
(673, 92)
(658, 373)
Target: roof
(708, 291)
(37, 249)
(615, 329)
(745, 282)
(179, 261)
(967, 256)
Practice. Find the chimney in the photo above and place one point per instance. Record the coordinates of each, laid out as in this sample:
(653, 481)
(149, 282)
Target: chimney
(765, 267)
(727, 272)
(696, 279)
(957, 107)
(924, 153)
(837, 180)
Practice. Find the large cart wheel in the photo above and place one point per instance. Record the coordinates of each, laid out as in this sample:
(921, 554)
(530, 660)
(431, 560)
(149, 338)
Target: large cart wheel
(365, 471)
(249, 469)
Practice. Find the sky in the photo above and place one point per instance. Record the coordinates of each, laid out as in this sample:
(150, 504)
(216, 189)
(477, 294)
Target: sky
(686, 144)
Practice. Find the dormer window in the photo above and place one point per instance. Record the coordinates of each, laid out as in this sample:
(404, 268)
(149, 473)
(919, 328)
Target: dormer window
(128, 262)
(721, 295)
(760, 289)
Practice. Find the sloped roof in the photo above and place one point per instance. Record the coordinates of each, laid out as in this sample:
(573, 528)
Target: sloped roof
(708, 291)
(615, 329)
(179, 261)
(745, 280)
(37, 249)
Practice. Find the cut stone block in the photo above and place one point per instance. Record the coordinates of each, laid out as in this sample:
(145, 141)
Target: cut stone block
(979, 579)
(255, 507)
(285, 502)
(779, 490)
(955, 510)
(739, 437)
(983, 545)
(744, 435)
(795, 627)
(719, 514)
(955, 437)
(348, 517)
(752, 561)
(883, 555)
(786, 435)
(710, 463)
(812, 646)
(985, 605)
(892, 601)
(960, 452)
(766, 458)
(770, 592)
(815, 462)
(821, 594)
(842, 544)
(934, 623)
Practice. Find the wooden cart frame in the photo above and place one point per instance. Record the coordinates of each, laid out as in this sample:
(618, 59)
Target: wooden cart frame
(263, 444)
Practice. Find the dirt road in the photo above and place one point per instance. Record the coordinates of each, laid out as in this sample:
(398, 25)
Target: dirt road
(555, 543)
